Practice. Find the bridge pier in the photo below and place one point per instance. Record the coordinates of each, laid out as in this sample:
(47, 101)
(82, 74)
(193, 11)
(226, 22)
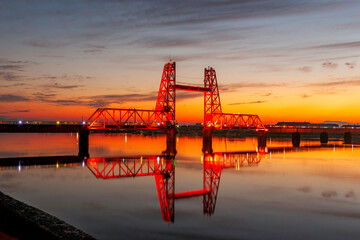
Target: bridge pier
(207, 140)
(84, 143)
(171, 142)
(347, 138)
(261, 139)
(295, 138)
(324, 138)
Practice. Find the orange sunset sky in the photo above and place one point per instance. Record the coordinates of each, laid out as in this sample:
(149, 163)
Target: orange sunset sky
(283, 60)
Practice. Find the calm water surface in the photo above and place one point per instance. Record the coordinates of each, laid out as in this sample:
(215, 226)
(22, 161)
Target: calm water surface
(310, 192)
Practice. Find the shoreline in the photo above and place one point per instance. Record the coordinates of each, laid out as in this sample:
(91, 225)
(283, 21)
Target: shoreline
(21, 221)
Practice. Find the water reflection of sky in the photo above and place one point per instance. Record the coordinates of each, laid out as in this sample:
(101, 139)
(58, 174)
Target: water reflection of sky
(289, 195)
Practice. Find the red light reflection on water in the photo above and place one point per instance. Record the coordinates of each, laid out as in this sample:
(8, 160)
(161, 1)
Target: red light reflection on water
(163, 170)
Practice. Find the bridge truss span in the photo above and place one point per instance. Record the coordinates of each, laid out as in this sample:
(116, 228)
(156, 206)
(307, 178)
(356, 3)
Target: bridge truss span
(112, 118)
(238, 121)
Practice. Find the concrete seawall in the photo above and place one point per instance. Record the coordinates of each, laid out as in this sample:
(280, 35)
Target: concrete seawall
(22, 221)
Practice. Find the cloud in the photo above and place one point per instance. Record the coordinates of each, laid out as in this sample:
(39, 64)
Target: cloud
(306, 96)
(128, 97)
(340, 58)
(108, 99)
(329, 65)
(53, 56)
(65, 102)
(191, 23)
(41, 96)
(193, 13)
(92, 49)
(11, 77)
(11, 67)
(350, 65)
(12, 98)
(342, 45)
(266, 95)
(9, 70)
(20, 111)
(167, 41)
(328, 91)
(96, 100)
(65, 77)
(187, 95)
(61, 86)
(255, 102)
(13, 85)
(234, 86)
(305, 69)
(44, 44)
(337, 83)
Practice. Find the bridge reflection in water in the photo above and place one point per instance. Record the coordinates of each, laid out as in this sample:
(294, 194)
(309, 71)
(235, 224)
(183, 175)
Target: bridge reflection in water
(162, 167)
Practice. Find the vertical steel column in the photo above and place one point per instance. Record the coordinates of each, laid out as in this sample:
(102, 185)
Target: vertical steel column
(171, 142)
(207, 140)
(84, 143)
(261, 139)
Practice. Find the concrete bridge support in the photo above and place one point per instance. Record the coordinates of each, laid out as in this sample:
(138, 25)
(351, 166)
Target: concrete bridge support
(207, 140)
(171, 142)
(261, 139)
(84, 143)
(324, 138)
(347, 138)
(295, 138)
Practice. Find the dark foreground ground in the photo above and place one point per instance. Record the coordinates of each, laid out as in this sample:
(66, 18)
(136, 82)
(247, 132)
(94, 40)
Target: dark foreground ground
(21, 221)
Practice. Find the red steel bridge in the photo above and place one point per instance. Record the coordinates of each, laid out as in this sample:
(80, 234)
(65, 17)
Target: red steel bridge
(163, 116)
(162, 167)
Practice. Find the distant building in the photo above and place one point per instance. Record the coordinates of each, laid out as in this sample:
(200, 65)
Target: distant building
(329, 125)
(338, 123)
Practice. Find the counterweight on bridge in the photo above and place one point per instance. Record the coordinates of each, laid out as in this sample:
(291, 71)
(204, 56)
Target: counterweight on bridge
(192, 88)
